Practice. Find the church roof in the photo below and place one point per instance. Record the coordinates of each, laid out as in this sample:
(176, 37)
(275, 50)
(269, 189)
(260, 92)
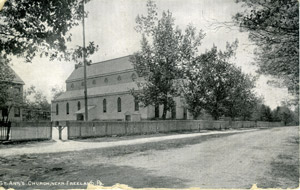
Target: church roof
(101, 68)
(17, 79)
(98, 91)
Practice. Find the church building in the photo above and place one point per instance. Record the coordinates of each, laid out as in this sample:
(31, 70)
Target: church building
(109, 97)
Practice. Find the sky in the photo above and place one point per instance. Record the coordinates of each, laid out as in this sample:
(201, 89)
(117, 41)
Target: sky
(110, 24)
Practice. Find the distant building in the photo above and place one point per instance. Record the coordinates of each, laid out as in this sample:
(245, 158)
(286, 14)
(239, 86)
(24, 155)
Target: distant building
(15, 113)
(109, 98)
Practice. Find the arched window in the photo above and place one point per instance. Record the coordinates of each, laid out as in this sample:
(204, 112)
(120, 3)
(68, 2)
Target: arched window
(104, 105)
(56, 109)
(67, 108)
(136, 105)
(119, 105)
(133, 77)
(78, 105)
(119, 78)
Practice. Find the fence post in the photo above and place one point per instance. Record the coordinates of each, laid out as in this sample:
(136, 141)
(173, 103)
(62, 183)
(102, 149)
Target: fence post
(8, 130)
(51, 129)
(68, 130)
(80, 129)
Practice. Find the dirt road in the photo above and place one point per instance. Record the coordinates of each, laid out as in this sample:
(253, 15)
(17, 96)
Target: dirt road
(268, 158)
(71, 145)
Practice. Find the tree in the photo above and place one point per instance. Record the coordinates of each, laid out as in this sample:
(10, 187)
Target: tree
(163, 49)
(286, 115)
(241, 98)
(56, 92)
(217, 86)
(36, 105)
(273, 26)
(31, 27)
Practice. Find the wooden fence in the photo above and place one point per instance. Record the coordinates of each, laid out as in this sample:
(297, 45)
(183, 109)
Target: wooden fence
(80, 129)
(30, 131)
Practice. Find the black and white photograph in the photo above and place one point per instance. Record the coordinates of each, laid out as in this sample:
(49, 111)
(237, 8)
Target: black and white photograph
(134, 94)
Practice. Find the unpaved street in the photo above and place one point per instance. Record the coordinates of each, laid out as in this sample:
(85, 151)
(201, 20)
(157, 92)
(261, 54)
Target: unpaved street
(266, 157)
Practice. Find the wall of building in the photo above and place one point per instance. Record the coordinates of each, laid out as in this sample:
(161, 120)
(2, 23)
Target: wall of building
(13, 116)
(127, 105)
(112, 79)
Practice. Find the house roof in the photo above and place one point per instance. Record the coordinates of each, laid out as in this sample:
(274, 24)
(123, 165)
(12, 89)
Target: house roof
(98, 91)
(17, 79)
(101, 68)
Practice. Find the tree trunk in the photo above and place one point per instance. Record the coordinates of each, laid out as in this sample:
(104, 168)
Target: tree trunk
(164, 115)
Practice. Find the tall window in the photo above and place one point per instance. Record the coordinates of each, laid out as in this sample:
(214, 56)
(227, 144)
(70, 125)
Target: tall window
(119, 105)
(104, 105)
(136, 105)
(78, 105)
(56, 109)
(67, 108)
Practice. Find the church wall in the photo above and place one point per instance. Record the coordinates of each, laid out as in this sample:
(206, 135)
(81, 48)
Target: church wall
(127, 104)
(101, 80)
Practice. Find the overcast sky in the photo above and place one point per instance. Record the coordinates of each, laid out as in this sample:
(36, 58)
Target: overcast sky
(110, 25)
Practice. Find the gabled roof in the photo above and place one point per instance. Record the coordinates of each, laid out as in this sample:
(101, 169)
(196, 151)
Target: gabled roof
(98, 91)
(101, 68)
(17, 79)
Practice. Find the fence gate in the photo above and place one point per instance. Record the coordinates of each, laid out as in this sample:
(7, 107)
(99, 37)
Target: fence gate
(4, 131)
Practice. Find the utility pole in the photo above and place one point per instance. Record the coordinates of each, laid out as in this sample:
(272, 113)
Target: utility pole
(84, 67)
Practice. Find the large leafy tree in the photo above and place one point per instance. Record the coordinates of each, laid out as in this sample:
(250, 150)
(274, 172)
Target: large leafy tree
(213, 84)
(31, 28)
(39, 27)
(241, 98)
(164, 48)
(273, 26)
(35, 105)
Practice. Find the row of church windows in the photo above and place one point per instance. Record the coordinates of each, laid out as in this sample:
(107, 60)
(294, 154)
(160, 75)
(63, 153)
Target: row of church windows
(133, 77)
(119, 104)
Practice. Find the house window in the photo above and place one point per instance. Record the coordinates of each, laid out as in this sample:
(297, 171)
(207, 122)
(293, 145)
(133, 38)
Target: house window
(104, 106)
(94, 81)
(106, 80)
(119, 105)
(78, 105)
(56, 109)
(136, 105)
(72, 85)
(82, 83)
(119, 78)
(133, 77)
(17, 112)
(67, 108)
